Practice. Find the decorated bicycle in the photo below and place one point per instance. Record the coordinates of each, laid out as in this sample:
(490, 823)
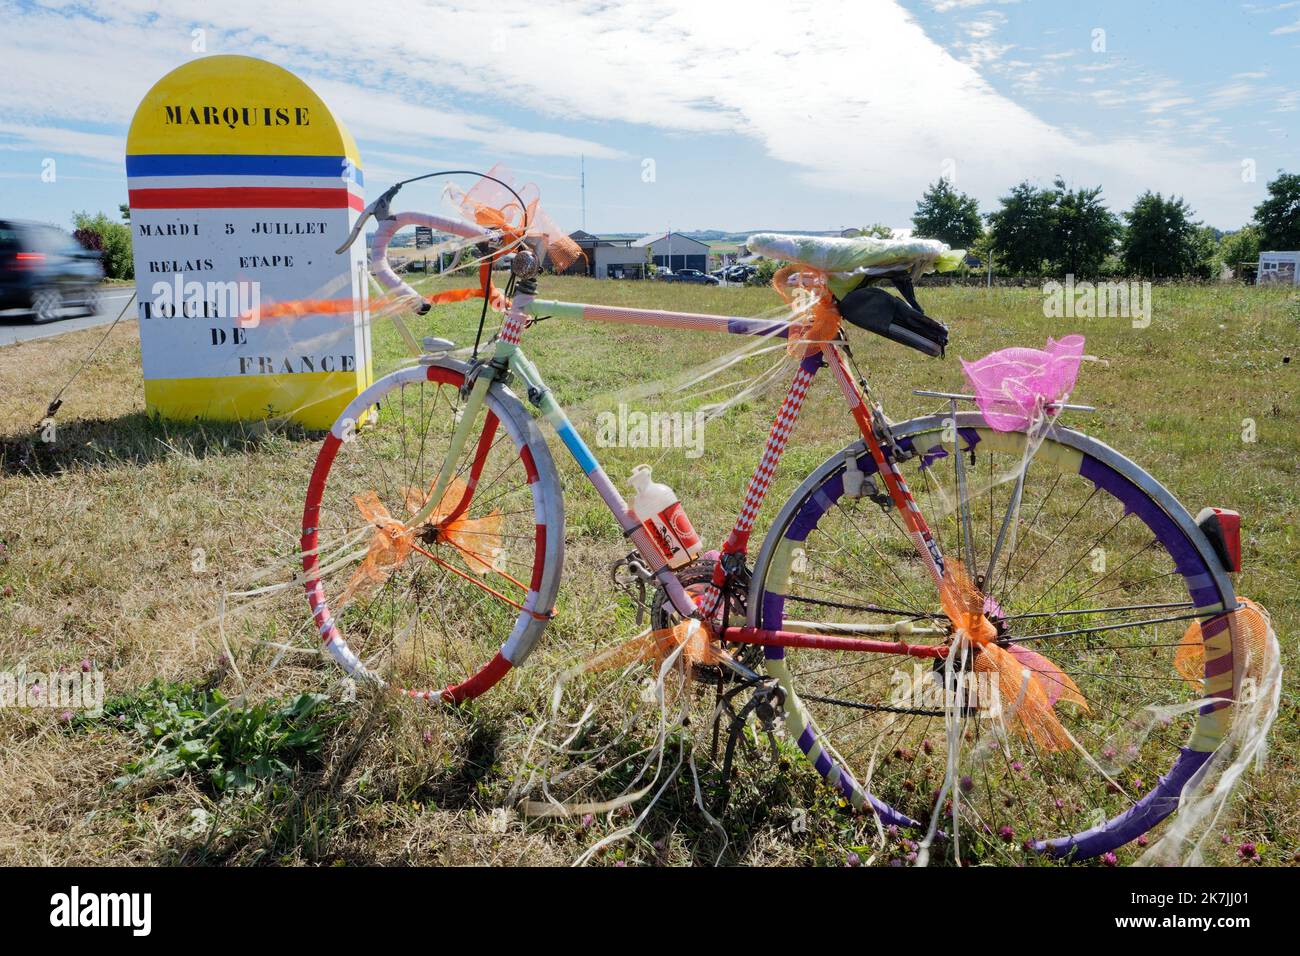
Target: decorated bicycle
(926, 618)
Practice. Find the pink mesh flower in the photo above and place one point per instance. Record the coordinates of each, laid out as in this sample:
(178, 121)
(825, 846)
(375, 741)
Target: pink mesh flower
(1010, 383)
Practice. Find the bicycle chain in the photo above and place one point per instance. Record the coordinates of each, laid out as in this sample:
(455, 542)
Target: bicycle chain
(883, 708)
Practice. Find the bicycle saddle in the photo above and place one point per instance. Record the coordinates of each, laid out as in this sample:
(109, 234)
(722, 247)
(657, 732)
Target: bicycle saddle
(835, 254)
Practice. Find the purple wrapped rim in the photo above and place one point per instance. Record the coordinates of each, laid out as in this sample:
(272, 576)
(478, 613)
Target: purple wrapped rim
(1157, 803)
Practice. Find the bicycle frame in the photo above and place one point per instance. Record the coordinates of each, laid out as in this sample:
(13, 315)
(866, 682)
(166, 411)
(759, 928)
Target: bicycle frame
(509, 356)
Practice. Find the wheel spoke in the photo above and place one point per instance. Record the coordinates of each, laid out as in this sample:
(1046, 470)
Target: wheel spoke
(1099, 686)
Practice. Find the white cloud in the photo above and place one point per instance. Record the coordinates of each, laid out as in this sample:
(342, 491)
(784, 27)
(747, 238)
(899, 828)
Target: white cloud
(1160, 106)
(981, 52)
(943, 6)
(985, 25)
(55, 140)
(871, 112)
(72, 68)
(1231, 95)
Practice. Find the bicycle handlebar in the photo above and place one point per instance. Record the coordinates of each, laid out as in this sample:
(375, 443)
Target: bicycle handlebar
(389, 224)
(379, 266)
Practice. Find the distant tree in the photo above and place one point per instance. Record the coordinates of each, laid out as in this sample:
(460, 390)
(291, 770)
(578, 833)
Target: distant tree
(1083, 231)
(1020, 233)
(1278, 216)
(982, 249)
(125, 210)
(1240, 247)
(1205, 244)
(765, 270)
(948, 215)
(878, 230)
(1162, 238)
(111, 239)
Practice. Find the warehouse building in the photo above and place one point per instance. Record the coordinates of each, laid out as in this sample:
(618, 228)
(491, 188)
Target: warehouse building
(674, 251)
(607, 258)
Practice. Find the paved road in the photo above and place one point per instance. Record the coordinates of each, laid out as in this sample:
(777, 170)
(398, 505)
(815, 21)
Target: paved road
(17, 327)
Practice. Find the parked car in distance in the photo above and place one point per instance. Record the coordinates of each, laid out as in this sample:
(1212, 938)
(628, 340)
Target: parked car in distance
(690, 275)
(46, 272)
(737, 274)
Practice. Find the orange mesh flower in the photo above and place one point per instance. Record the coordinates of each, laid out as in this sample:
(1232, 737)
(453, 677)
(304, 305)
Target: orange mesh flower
(1044, 683)
(477, 540)
(1249, 629)
(1056, 683)
(390, 545)
(493, 206)
(964, 604)
(1034, 716)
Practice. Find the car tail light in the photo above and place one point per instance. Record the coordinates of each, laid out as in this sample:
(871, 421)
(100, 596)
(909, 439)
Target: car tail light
(29, 260)
(1223, 527)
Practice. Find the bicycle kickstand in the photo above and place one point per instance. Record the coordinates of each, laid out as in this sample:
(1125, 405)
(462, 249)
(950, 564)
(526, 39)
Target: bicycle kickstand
(767, 704)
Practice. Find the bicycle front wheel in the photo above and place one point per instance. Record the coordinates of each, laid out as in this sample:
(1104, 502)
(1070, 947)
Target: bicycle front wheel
(1090, 569)
(441, 610)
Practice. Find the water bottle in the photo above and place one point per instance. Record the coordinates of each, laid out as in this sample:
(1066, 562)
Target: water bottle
(660, 513)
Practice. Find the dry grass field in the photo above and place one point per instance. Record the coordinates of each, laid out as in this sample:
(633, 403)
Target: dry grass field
(120, 537)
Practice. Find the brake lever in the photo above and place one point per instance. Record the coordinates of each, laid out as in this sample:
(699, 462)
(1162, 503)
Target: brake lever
(380, 209)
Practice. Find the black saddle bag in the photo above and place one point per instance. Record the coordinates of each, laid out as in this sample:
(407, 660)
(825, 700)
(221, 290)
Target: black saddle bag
(877, 311)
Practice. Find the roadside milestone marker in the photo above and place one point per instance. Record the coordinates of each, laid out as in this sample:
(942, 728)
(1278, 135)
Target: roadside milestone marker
(242, 184)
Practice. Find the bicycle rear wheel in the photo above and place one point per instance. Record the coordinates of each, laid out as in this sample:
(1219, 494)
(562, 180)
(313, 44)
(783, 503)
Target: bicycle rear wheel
(444, 612)
(1100, 572)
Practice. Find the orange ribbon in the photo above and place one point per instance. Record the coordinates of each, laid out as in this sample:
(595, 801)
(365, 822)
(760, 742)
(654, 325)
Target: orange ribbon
(517, 214)
(818, 318)
(477, 540)
(693, 637)
(496, 298)
(1035, 682)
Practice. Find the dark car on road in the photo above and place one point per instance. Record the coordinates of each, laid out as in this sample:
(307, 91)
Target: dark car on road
(46, 272)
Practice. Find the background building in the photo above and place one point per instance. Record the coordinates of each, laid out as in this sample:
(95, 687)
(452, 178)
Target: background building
(674, 251)
(607, 258)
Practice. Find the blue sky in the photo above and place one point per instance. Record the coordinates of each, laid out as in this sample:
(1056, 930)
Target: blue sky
(761, 114)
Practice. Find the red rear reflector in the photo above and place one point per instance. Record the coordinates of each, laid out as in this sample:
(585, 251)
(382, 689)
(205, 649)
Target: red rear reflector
(32, 256)
(1223, 527)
